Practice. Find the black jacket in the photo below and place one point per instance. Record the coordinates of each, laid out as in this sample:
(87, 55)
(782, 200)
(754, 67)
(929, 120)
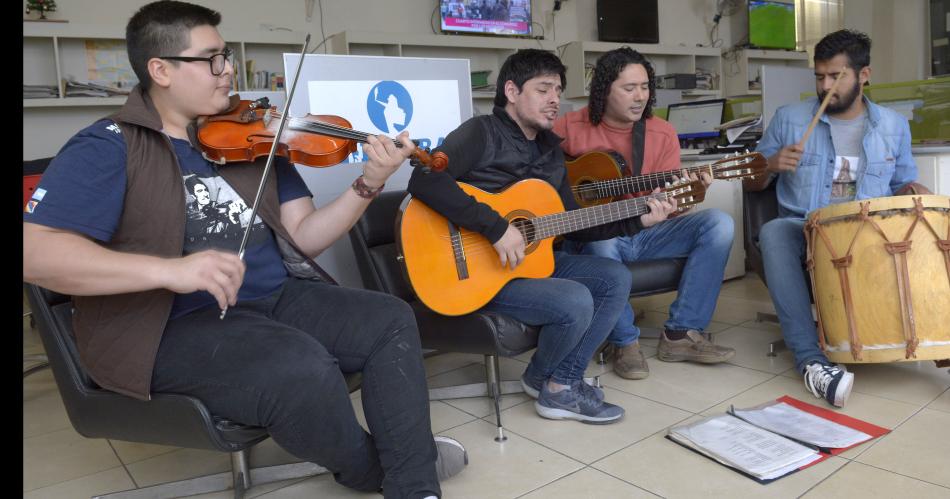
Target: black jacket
(491, 152)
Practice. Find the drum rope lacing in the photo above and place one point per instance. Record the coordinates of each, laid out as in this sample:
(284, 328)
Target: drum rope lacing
(896, 249)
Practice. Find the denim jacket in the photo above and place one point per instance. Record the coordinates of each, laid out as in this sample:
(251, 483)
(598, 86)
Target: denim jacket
(886, 143)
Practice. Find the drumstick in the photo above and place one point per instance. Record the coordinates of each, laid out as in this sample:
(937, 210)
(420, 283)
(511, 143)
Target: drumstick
(821, 109)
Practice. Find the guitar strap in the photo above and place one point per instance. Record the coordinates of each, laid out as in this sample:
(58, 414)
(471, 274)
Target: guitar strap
(639, 138)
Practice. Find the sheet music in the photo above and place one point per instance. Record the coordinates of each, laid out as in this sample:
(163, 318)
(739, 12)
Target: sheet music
(745, 446)
(805, 427)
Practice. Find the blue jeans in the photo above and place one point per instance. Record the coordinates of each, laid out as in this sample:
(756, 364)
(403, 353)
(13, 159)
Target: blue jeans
(278, 362)
(704, 238)
(576, 308)
(782, 242)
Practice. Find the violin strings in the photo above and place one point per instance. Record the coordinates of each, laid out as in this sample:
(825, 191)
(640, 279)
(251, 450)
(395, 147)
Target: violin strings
(325, 128)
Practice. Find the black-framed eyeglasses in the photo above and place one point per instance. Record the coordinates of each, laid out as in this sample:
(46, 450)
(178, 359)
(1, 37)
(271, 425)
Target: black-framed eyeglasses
(216, 61)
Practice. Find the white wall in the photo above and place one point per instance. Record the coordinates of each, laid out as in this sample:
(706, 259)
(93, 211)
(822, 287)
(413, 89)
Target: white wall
(898, 32)
(681, 21)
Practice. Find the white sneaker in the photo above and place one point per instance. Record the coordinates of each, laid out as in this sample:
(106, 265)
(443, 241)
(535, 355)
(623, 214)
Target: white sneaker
(452, 457)
(829, 381)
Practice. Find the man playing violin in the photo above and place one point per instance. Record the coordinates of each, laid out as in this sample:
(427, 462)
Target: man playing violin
(578, 305)
(622, 95)
(110, 228)
(858, 150)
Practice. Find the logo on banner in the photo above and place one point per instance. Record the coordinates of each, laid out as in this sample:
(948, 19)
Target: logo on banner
(389, 107)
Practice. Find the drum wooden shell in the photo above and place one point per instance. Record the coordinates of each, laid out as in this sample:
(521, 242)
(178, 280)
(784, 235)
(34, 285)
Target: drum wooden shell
(895, 315)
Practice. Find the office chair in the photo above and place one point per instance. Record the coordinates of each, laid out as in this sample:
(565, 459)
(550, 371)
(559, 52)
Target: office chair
(32, 172)
(167, 419)
(485, 333)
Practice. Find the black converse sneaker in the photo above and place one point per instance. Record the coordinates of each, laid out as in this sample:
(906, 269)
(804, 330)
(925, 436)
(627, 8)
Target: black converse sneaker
(829, 381)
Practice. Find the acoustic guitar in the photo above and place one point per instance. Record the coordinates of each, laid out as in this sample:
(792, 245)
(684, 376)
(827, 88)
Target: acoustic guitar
(455, 271)
(596, 176)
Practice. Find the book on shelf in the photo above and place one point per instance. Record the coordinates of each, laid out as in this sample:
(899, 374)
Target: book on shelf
(73, 87)
(276, 81)
(774, 439)
(40, 91)
(249, 73)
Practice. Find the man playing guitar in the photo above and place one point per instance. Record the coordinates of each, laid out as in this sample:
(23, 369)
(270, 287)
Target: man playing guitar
(622, 96)
(577, 307)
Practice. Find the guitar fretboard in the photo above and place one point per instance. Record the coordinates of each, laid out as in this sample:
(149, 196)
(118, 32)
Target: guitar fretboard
(729, 168)
(538, 228)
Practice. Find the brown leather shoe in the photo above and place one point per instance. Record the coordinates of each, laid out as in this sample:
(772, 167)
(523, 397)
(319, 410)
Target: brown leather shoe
(629, 362)
(694, 347)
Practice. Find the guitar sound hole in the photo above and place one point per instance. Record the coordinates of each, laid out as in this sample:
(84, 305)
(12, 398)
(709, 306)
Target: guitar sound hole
(586, 192)
(527, 230)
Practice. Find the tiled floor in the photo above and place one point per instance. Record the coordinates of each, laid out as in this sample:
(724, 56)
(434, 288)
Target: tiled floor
(555, 459)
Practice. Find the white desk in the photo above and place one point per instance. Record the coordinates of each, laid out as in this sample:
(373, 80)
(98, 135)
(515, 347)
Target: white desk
(933, 167)
(727, 196)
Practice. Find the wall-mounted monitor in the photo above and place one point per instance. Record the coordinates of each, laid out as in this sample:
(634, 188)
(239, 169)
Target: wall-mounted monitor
(771, 24)
(486, 17)
(631, 21)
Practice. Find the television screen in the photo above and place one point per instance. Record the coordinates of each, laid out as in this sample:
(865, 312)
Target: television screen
(771, 24)
(633, 21)
(490, 17)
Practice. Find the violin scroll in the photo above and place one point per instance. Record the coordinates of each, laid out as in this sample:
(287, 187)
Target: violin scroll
(429, 162)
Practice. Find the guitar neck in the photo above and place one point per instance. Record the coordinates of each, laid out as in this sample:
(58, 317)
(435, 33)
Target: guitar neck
(539, 228)
(648, 182)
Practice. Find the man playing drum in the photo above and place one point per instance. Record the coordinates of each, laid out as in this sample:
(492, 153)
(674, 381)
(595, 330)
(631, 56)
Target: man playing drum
(871, 142)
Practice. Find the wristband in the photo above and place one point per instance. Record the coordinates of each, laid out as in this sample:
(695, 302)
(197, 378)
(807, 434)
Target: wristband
(365, 191)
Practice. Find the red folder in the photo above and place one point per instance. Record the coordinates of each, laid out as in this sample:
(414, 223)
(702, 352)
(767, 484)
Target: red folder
(863, 426)
(842, 419)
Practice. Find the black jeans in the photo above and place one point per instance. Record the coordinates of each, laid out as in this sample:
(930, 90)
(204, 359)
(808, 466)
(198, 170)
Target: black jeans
(278, 362)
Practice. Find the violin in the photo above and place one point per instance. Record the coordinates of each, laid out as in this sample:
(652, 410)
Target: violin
(246, 132)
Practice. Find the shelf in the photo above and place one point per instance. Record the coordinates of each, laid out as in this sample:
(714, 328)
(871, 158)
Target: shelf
(75, 102)
(700, 93)
(665, 59)
(645, 48)
(745, 65)
(483, 94)
(62, 30)
(785, 55)
(340, 43)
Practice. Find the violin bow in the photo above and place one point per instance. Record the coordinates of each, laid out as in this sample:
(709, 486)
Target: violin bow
(270, 160)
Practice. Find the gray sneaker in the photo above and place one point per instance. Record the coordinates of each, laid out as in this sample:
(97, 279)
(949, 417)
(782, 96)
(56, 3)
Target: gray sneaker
(694, 347)
(452, 457)
(533, 388)
(579, 402)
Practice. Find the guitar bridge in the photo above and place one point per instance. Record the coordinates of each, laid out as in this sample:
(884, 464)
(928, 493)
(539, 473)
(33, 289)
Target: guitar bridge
(458, 252)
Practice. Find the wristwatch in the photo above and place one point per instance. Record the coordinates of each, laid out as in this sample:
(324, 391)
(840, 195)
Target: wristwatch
(365, 191)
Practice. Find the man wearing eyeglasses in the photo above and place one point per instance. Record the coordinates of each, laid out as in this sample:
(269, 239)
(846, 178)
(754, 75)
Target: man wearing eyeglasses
(109, 226)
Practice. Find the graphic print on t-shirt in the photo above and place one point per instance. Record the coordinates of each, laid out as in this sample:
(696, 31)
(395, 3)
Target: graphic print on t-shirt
(216, 216)
(845, 177)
